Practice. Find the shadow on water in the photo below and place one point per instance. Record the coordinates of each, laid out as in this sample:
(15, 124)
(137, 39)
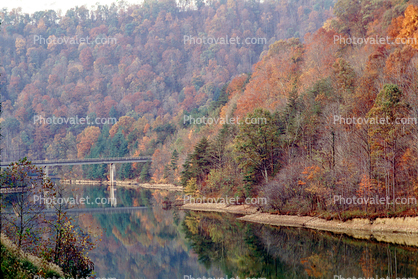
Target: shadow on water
(255, 250)
(147, 243)
(157, 243)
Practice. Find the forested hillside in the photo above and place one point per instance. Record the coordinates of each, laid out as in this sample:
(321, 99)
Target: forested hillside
(145, 78)
(323, 140)
(151, 80)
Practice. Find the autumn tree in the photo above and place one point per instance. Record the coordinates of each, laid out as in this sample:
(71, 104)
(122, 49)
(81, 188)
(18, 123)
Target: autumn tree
(406, 27)
(257, 148)
(386, 139)
(86, 140)
(86, 58)
(67, 245)
(354, 16)
(28, 182)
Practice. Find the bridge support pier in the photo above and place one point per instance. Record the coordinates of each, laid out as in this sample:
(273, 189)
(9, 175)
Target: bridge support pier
(46, 172)
(48, 206)
(112, 175)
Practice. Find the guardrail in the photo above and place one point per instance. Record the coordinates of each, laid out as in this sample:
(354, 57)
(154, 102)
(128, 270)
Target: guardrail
(89, 161)
(11, 190)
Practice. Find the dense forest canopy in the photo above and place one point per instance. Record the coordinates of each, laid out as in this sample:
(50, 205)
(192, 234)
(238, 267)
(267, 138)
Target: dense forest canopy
(144, 74)
(142, 68)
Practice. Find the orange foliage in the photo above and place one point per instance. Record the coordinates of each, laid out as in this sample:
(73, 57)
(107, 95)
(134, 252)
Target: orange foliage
(125, 124)
(86, 140)
(236, 85)
(319, 57)
(406, 26)
(273, 79)
(369, 187)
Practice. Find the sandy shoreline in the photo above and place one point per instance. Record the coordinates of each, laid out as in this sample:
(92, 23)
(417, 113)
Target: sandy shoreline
(169, 187)
(219, 207)
(402, 230)
(127, 184)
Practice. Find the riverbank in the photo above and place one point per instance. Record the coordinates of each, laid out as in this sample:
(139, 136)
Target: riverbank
(126, 184)
(220, 207)
(18, 264)
(169, 187)
(401, 230)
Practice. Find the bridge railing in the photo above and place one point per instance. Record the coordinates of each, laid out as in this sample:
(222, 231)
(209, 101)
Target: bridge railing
(76, 161)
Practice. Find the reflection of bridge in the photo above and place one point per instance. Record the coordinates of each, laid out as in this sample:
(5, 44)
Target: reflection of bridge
(102, 210)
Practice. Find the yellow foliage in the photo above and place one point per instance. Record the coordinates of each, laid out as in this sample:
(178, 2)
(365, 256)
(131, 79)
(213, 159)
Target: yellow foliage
(407, 26)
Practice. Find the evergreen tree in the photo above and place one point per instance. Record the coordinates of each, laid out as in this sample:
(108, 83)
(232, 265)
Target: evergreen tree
(174, 159)
(186, 173)
(386, 139)
(118, 146)
(99, 150)
(113, 113)
(126, 171)
(217, 149)
(198, 163)
(145, 172)
(257, 148)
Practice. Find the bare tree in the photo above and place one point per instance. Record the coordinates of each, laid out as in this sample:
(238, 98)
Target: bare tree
(25, 187)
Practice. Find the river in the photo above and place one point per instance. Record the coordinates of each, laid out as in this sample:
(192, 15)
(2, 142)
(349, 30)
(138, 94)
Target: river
(150, 242)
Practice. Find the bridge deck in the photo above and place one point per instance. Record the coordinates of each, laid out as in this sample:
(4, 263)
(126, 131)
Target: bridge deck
(69, 162)
(10, 190)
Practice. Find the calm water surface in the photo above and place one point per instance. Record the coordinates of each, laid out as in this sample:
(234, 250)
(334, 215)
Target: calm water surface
(153, 242)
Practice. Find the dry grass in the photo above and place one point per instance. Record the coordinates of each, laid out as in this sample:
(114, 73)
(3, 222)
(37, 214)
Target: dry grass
(31, 258)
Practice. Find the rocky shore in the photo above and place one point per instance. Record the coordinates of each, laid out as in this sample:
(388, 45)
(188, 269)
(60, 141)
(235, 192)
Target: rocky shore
(400, 230)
